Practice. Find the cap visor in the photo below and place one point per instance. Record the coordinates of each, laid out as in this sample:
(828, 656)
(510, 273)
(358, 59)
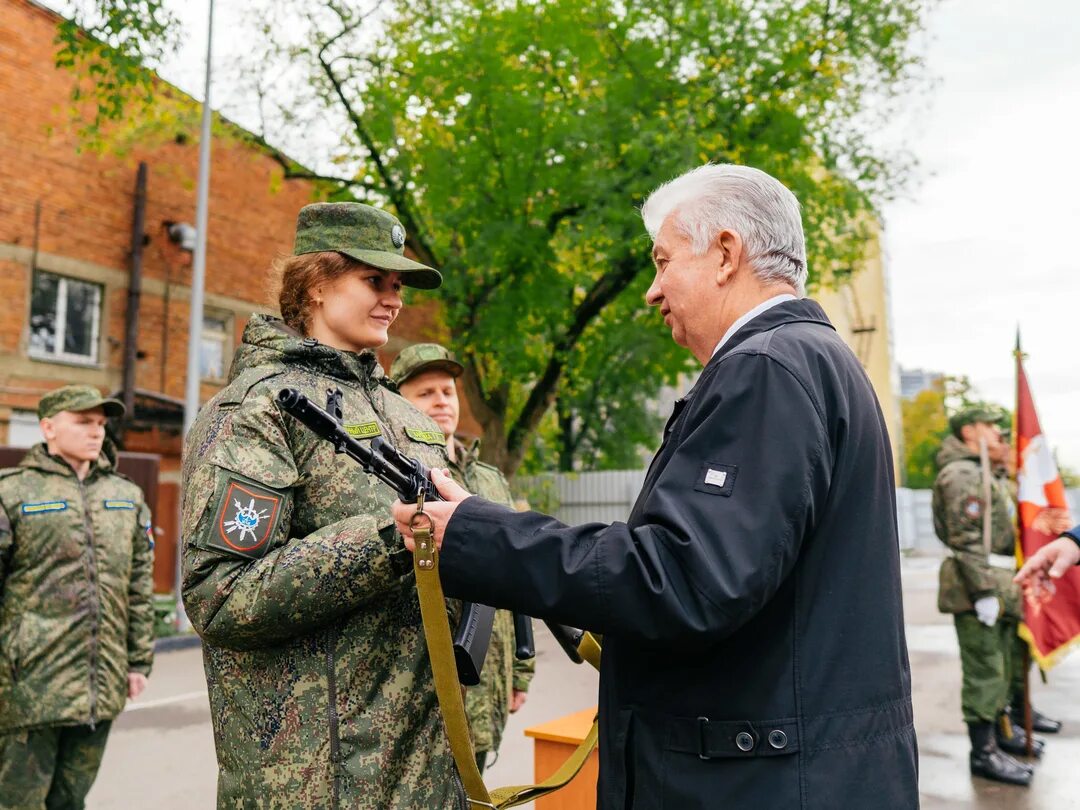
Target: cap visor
(451, 367)
(113, 407)
(414, 273)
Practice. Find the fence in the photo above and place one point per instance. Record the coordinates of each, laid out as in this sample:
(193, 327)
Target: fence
(608, 496)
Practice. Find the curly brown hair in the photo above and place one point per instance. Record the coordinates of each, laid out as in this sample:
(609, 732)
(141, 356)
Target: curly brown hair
(295, 277)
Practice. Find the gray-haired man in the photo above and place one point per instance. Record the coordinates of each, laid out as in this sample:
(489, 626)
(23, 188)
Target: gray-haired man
(754, 648)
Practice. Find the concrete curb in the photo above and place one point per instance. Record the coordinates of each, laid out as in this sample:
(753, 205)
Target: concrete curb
(180, 642)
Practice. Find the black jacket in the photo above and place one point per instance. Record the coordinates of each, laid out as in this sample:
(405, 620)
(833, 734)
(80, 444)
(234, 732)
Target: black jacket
(751, 601)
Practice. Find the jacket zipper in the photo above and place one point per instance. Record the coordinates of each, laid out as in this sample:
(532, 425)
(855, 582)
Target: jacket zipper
(94, 602)
(332, 717)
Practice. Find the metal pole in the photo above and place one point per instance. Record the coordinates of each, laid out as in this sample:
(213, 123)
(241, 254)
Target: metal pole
(198, 278)
(131, 326)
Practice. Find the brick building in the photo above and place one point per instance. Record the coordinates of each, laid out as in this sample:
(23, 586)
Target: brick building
(66, 258)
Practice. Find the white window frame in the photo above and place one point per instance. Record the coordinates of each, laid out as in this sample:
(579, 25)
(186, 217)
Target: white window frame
(224, 337)
(61, 324)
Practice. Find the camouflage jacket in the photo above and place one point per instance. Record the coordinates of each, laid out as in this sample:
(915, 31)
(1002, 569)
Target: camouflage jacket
(303, 593)
(76, 607)
(958, 509)
(488, 703)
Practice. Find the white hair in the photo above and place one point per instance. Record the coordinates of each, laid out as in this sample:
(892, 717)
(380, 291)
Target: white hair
(748, 201)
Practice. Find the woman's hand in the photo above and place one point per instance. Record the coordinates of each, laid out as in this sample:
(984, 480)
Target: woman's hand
(439, 512)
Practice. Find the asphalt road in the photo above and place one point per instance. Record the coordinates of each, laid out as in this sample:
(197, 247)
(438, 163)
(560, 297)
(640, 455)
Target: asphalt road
(161, 751)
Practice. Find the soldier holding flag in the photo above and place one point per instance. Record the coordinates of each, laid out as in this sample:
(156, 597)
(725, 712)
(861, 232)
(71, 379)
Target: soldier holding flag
(973, 516)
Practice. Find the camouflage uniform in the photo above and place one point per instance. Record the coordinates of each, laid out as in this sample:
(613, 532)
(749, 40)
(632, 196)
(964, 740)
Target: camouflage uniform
(303, 593)
(76, 616)
(487, 704)
(958, 508)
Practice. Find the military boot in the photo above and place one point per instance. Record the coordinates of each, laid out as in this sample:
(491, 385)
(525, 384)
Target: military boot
(1012, 739)
(1039, 721)
(990, 762)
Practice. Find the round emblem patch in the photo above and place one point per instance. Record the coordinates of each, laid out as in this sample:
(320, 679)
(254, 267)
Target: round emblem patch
(973, 508)
(397, 236)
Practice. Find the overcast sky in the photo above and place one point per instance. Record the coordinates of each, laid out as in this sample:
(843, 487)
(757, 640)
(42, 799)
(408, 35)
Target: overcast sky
(980, 243)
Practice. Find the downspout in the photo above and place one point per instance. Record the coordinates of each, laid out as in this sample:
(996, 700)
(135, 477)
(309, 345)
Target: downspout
(131, 327)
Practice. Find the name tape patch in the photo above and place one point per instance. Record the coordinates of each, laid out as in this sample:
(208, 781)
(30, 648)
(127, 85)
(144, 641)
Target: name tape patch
(426, 436)
(716, 479)
(44, 506)
(117, 504)
(363, 430)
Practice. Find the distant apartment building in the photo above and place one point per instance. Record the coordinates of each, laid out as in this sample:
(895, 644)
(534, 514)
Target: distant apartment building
(916, 380)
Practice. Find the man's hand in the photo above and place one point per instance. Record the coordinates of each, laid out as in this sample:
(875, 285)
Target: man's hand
(517, 700)
(136, 684)
(1049, 563)
(440, 512)
(987, 609)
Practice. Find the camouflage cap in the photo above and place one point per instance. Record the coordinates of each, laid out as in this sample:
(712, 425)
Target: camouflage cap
(421, 357)
(77, 398)
(987, 414)
(363, 233)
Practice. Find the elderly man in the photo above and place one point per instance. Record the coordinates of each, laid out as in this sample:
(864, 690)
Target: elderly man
(754, 650)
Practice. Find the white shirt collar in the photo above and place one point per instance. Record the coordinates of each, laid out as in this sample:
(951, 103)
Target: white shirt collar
(749, 316)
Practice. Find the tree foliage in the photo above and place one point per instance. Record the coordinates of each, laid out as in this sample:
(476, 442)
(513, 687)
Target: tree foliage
(516, 139)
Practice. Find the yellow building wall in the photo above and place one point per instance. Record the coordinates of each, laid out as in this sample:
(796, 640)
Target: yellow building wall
(859, 309)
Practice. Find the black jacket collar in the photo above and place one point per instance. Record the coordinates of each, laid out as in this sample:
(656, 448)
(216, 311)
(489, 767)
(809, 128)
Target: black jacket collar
(801, 310)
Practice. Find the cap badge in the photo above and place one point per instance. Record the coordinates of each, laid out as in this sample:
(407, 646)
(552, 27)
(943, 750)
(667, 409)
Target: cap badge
(397, 236)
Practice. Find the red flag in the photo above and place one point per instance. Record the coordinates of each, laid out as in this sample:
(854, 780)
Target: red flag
(1051, 621)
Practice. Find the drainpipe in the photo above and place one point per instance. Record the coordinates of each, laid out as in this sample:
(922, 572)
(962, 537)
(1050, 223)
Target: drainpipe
(131, 329)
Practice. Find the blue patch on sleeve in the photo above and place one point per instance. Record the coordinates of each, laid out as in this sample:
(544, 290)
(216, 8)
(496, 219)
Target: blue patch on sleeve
(44, 506)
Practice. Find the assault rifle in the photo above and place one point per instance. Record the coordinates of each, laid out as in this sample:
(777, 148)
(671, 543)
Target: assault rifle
(408, 477)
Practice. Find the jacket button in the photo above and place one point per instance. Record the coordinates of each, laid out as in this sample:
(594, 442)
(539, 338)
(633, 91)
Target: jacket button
(744, 741)
(778, 739)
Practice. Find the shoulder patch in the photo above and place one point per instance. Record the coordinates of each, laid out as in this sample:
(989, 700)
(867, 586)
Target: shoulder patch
(245, 518)
(363, 430)
(972, 507)
(115, 503)
(44, 506)
(426, 436)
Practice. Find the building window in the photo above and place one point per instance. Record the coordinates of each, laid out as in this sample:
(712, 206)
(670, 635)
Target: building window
(214, 347)
(24, 429)
(65, 315)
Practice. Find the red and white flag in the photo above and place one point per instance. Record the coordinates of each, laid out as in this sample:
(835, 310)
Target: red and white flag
(1051, 618)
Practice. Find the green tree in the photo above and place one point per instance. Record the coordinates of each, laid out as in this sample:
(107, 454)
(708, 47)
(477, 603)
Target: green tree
(925, 427)
(515, 140)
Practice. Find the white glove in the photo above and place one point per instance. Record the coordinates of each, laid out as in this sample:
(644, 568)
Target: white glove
(987, 609)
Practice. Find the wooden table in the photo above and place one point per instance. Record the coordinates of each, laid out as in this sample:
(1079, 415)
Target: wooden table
(555, 740)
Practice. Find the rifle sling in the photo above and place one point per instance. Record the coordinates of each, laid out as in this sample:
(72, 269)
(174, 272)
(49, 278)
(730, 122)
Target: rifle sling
(450, 693)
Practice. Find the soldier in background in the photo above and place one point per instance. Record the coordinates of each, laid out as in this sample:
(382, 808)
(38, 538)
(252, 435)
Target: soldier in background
(426, 373)
(976, 587)
(76, 610)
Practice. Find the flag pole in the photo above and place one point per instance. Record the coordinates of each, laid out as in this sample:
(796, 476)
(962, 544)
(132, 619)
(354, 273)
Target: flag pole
(1029, 720)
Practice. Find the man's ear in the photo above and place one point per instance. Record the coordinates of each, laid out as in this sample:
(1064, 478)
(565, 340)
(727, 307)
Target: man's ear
(729, 247)
(47, 429)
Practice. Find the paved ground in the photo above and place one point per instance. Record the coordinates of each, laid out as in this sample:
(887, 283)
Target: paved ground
(161, 753)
